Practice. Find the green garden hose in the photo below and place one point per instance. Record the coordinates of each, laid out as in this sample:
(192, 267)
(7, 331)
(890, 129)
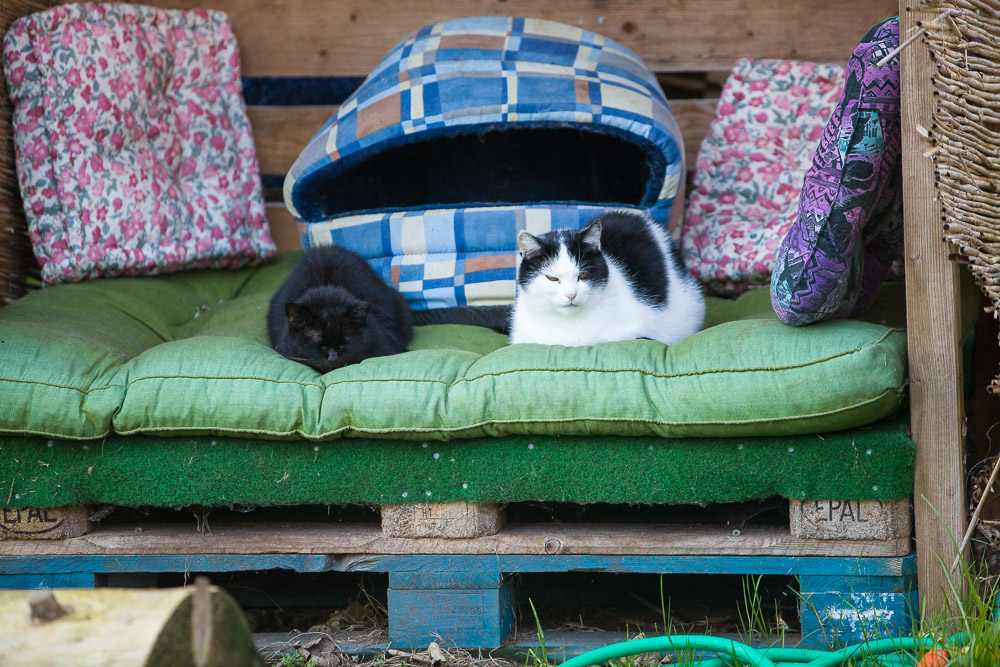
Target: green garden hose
(737, 653)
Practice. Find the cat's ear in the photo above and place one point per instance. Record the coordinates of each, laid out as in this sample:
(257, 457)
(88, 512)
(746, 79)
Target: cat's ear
(527, 244)
(299, 317)
(591, 234)
(358, 314)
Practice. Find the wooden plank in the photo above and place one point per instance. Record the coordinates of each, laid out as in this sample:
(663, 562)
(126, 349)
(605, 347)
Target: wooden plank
(540, 539)
(853, 616)
(693, 117)
(446, 520)
(852, 566)
(284, 229)
(34, 523)
(933, 336)
(348, 38)
(460, 608)
(48, 580)
(839, 583)
(849, 519)
(280, 133)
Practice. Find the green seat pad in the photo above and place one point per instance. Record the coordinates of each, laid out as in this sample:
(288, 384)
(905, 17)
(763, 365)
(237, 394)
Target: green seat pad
(188, 354)
(872, 463)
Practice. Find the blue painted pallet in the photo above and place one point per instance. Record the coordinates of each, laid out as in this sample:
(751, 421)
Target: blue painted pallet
(787, 565)
(467, 599)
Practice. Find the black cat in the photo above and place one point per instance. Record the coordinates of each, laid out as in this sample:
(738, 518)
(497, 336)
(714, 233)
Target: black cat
(334, 310)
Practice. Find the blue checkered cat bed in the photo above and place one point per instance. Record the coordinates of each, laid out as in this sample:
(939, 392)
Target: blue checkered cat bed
(471, 130)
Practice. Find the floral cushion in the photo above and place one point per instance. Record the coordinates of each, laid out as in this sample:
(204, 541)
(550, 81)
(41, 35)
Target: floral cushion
(750, 169)
(134, 151)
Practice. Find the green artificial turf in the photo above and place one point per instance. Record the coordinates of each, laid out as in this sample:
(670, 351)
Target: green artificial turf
(870, 463)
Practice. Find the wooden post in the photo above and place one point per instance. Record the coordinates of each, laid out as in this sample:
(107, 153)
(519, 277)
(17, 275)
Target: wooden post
(933, 334)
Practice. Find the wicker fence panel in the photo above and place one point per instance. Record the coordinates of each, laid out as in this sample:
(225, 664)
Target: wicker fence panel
(964, 42)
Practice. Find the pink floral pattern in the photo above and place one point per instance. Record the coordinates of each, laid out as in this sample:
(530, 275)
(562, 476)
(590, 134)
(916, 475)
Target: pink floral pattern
(134, 151)
(750, 169)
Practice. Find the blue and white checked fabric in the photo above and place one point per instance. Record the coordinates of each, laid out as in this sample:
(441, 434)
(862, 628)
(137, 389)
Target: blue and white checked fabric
(454, 78)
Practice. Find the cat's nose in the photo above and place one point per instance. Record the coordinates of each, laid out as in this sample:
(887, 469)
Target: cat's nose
(331, 356)
(571, 297)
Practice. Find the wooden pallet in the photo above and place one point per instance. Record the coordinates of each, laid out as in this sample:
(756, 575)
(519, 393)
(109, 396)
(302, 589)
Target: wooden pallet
(841, 526)
(449, 566)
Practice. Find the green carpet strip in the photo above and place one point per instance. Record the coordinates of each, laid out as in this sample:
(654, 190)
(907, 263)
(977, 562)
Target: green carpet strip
(874, 463)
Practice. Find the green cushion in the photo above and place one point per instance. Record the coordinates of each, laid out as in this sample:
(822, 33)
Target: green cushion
(873, 463)
(187, 353)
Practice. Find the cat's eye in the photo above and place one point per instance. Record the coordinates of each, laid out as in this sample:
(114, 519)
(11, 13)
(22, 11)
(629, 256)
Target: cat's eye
(582, 275)
(553, 278)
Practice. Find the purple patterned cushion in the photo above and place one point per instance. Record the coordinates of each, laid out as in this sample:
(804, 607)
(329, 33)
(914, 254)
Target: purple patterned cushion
(750, 168)
(134, 151)
(848, 233)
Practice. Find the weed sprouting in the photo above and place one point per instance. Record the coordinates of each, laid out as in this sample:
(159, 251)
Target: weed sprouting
(754, 622)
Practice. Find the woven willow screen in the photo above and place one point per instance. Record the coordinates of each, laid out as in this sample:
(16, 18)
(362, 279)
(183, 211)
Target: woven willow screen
(964, 42)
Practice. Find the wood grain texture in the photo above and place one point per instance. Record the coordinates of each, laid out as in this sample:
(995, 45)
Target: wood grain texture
(471, 618)
(537, 539)
(280, 133)
(853, 616)
(118, 563)
(349, 37)
(446, 520)
(284, 229)
(933, 335)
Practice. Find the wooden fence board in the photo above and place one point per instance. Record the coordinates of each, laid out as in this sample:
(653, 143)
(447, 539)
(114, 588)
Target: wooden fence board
(349, 37)
(933, 337)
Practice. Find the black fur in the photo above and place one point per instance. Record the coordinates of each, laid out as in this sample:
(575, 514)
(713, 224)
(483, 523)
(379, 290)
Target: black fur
(625, 239)
(334, 310)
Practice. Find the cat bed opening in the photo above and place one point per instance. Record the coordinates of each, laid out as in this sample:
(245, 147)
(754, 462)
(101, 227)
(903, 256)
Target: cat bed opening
(471, 130)
(532, 164)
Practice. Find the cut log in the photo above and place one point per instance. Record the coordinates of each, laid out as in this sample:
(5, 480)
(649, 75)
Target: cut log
(111, 626)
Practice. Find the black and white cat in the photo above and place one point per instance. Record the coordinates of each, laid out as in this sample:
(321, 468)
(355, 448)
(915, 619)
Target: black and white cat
(618, 278)
(334, 310)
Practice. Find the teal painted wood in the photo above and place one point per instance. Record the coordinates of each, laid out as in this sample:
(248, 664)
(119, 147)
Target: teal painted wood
(840, 583)
(470, 618)
(408, 580)
(48, 580)
(465, 598)
(813, 565)
(848, 617)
